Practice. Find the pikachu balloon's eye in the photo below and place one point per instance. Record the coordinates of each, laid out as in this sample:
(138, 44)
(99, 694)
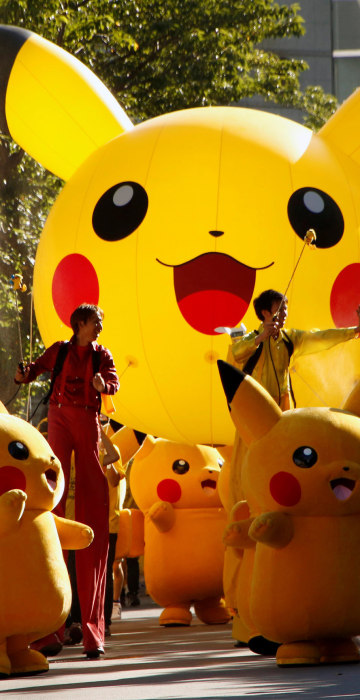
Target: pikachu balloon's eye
(119, 211)
(308, 208)
(180, 466)
(18, 450)
(305, 457)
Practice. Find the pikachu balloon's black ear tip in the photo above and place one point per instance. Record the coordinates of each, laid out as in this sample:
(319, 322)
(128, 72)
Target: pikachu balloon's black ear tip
(11, 41)
(231, 379)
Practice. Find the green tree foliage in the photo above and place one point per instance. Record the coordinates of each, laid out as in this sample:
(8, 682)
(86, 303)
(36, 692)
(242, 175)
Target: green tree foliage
(155, 57)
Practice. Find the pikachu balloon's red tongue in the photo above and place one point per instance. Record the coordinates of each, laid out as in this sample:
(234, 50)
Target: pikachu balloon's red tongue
(213, 290)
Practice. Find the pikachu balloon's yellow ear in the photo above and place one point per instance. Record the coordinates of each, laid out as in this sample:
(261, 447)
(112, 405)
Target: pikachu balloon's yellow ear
(51, 104)
(342, 129)
(252, 409)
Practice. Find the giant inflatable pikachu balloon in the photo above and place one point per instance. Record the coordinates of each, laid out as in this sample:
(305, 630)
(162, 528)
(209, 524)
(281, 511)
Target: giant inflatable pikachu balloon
(299, 583)
(174, 225)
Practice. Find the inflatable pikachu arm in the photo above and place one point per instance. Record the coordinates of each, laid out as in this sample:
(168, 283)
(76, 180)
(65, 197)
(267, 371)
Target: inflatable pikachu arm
(128, 441)
(73, 535)
(12, 505)
(69, 112)
(274, 529)
(236, 533)
(162, 514)
(130, 539)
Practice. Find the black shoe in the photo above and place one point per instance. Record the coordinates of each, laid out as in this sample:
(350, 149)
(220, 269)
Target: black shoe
(73, 634)
(107, 631)
(134, 600)
(263, 646)
(94, 653)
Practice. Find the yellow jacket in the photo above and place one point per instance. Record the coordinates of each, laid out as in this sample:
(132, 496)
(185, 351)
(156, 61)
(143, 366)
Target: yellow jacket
(272, 367)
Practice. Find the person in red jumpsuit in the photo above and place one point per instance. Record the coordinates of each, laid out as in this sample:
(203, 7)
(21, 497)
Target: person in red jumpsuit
(87, 371)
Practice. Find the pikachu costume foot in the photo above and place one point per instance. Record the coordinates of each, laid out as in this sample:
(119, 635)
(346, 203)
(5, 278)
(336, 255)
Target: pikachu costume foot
(28, 662)
(326, 651)
(5, 665)
(339, 651)
(212, 611)
(298, 654)
(176, 616)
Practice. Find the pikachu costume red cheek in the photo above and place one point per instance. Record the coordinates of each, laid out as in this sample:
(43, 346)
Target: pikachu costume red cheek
(35, 592)
(301, 479)
(285, 489)
(175, 487)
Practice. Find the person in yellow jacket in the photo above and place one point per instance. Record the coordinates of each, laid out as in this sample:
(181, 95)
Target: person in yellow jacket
(266, 354)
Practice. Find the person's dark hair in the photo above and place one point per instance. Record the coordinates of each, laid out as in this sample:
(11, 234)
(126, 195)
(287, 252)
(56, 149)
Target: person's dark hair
(265, 301)
(83, 313)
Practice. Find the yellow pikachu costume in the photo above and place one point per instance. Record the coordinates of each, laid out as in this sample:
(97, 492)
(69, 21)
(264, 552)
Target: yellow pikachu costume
(35, 593)
(175, 486)
(300, 477)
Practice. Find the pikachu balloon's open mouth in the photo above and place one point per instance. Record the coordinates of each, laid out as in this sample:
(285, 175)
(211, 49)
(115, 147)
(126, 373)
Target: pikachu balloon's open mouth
(213, 290)
(342, 488)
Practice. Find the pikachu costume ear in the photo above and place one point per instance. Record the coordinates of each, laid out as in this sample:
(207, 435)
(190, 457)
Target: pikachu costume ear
(352, 402)
(252, 409)
(128, 441)
(342, 129)
(51, 104)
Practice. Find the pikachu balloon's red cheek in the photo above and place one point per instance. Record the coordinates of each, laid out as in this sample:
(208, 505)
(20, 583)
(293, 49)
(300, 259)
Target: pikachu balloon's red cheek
(11, 478)
(345, 296)
(285, 489)
(75, 282)
(169, 490)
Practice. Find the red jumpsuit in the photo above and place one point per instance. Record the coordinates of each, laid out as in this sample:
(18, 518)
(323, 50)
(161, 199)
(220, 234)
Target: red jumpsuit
(73, 425)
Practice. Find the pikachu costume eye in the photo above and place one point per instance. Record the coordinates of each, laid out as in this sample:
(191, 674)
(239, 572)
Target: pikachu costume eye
(18, 450)
(180, 466)
(308, 208)
(305, 457)
(120, 211)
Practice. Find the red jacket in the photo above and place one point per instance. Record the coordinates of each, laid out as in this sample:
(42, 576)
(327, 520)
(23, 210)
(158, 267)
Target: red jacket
(73, 386)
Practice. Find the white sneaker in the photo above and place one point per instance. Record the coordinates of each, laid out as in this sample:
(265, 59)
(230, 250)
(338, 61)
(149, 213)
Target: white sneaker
(116, 610)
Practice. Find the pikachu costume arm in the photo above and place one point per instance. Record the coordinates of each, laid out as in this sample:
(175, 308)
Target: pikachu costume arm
(130, 539)
(273, 529)
(73, 535)
(236, 533)
(162, 514)
(12, 504)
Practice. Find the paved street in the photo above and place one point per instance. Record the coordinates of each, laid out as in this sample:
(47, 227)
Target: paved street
(144, 661)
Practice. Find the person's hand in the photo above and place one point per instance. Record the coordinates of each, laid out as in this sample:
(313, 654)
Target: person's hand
(22, 375)
(98, 382)
(271, 329)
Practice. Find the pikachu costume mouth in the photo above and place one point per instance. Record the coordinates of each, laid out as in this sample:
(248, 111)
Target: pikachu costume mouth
(51, 478)
(213, 290)
(342, 488)
(208, 486)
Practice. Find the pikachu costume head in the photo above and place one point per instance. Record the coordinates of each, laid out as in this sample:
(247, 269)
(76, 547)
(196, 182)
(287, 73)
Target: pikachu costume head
(174, 225)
